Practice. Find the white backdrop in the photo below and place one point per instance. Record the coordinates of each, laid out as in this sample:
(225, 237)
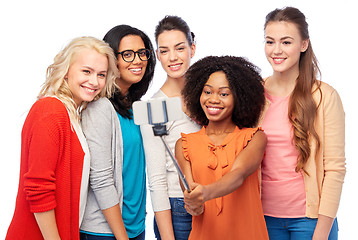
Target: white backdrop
(33, 32)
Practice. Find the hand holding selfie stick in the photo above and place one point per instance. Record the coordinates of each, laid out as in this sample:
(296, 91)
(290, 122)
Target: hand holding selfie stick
(158, 112)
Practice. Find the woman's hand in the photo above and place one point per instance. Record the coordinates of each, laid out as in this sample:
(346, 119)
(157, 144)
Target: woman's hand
(194, 201)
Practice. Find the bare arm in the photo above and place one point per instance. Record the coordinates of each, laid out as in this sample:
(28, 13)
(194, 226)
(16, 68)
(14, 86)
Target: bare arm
(114, 218)
(47, 225)
(164, 222)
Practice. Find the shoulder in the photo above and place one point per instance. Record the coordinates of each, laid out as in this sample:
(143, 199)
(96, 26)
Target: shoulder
(102, 104)
(49, 105)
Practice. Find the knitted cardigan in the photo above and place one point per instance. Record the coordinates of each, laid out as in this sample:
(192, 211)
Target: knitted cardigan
(50, 172)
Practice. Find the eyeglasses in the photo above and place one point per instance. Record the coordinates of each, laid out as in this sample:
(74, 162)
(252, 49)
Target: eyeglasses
(129, 55)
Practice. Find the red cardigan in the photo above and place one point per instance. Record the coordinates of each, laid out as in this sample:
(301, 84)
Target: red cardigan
(50, 172)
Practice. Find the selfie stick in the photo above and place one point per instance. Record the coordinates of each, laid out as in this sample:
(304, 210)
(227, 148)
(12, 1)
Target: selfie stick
(160, 130)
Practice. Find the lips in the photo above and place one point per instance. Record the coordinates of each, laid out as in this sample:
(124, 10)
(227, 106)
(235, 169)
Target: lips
(175, 67)
(88, 89)
(277, 60)
(214, 110)
(136, 71)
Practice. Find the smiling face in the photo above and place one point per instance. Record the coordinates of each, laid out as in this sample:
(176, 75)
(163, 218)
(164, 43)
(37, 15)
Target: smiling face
(86, 76)
(174, 53)
(217, 100)
(130, 72)
(283, 46)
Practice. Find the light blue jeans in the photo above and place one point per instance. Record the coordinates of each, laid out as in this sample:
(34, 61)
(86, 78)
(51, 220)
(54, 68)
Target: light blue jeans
(181, 220)
(295, 228)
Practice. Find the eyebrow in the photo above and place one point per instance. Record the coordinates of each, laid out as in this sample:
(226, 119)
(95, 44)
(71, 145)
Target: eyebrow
(174, 45)
(90, 68)
(283, 38)
(208, 85)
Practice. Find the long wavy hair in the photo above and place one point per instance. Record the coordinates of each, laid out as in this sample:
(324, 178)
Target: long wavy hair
(56, 85)
(113, 37)
(302, 107)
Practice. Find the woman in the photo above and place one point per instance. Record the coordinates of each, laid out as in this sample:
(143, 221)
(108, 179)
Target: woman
(225, 94)
(175, 48)
(304, 165)
(117, 195)
(54, 154)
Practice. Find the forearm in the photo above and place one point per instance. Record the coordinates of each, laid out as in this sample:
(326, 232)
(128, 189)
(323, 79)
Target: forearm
(164, 223)
(323, 227)
(114, 218)
(47, 225)
(224, 186)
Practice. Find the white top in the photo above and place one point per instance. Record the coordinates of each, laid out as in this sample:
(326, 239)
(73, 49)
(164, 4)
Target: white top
(163, 178)
(85, 171)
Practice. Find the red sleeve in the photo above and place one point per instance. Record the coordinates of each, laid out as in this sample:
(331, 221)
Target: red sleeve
(44, 143)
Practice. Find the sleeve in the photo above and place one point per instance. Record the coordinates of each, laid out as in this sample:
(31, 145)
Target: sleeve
(97, 127)
(44, 151)
(156, 169)
(185, 144)
(250, 134)
(333, 144)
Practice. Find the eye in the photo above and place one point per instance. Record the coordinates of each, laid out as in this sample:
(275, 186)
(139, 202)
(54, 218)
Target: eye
(127, 54)
(163, 51)
(180, 49)
(102, 75)
(86, 71)
(225, 94)
(286, 42)
(269, 42)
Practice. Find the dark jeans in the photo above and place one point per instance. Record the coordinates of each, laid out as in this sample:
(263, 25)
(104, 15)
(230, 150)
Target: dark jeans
(180, 218)
(85, 236)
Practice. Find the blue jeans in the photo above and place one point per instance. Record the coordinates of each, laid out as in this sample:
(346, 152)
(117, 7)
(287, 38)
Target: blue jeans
(180, 218)
(85, 236)
(295, 228)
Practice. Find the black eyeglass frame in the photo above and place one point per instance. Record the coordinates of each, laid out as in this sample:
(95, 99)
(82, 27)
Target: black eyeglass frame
(148, 51)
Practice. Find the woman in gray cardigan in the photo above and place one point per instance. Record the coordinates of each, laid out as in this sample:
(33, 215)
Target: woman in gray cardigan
(117, 195)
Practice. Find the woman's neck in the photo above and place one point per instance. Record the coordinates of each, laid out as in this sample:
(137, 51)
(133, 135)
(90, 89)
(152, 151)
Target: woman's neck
(281, 84)
(217, 131)
(173, 87)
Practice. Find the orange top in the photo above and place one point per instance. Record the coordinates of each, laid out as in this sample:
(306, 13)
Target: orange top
(237, 215)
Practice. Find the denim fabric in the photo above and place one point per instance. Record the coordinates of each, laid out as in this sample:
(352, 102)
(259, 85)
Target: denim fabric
(85, 236)
(295, 228)
(180, 218)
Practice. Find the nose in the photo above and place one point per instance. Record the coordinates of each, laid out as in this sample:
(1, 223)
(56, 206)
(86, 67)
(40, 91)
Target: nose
(136, 59)
(277, 49)
(172, 55)
(93, 80)
(214, 98)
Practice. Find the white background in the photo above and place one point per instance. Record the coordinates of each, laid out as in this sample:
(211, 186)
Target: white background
(33, 32)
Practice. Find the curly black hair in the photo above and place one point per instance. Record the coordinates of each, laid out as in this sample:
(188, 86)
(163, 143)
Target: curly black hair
(244, 80)
(113, 37)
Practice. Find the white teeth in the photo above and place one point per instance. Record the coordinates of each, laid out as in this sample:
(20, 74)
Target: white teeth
(135, 69)
(213, 109)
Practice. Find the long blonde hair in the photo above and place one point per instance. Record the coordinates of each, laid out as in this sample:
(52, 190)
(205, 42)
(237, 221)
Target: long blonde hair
(55, 84)
(302, 108)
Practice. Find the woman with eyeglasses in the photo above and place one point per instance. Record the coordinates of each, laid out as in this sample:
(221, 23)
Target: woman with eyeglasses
(117, 194)
(175, 48)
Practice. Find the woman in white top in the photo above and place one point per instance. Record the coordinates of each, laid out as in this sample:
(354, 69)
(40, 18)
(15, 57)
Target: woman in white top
(175, 48)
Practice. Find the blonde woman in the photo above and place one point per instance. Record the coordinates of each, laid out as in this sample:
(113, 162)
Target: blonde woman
(54, 154)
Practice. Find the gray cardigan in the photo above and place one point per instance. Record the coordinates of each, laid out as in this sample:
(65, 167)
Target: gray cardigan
(101, 126)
